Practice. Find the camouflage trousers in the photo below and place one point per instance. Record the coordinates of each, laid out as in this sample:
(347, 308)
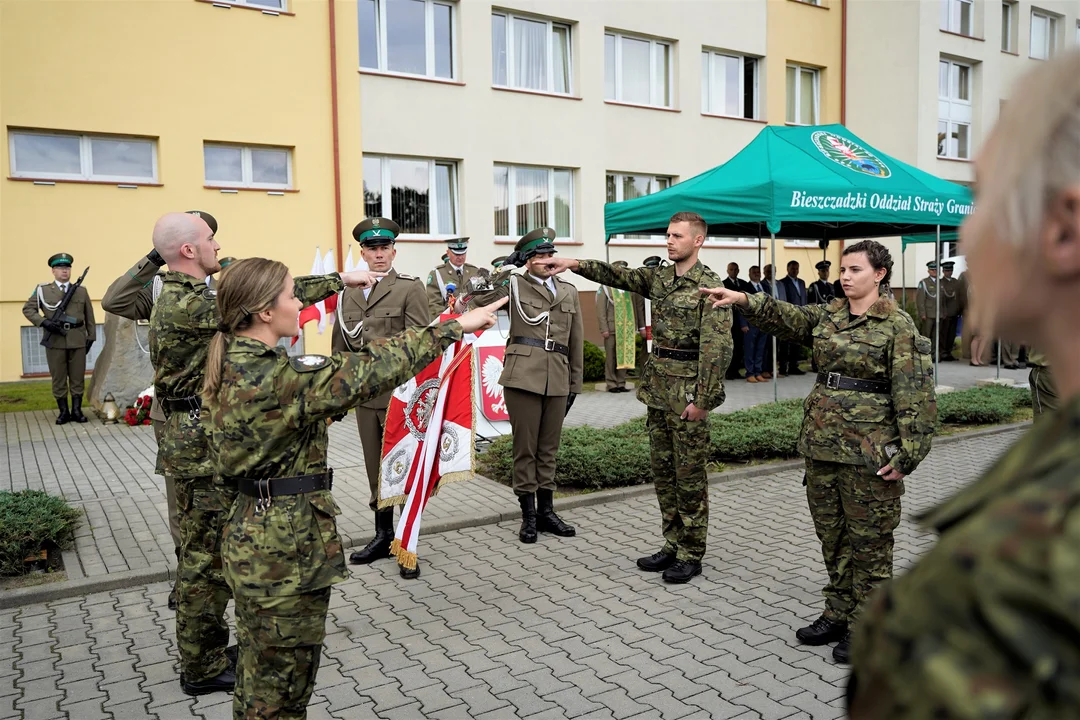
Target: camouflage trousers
(281, 641)
(202, 594)
(679, 450)
(855, 513)
(1044, 397)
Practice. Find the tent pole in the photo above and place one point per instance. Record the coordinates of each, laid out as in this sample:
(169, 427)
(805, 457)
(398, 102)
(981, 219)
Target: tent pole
(937, 304)
(903, 275)
(772, 289)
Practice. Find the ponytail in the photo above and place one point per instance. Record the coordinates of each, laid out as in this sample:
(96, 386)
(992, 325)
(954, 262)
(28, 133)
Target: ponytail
(215, 361)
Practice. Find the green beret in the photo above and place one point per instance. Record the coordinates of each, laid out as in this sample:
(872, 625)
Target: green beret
(540, 240)
(61, 260)
(206, 217)
(376, 231)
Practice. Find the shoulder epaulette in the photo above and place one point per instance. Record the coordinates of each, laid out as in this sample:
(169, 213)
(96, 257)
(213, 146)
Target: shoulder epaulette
(403, 276)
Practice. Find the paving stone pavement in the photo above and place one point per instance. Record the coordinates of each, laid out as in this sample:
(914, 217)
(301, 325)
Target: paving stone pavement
(495, 629)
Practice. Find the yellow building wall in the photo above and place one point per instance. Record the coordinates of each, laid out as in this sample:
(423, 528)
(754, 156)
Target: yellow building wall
(811, 35)
(184, 72)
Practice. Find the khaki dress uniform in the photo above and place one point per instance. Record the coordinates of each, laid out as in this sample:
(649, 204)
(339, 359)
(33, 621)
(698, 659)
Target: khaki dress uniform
(448, 274)
(926, 306)
(66, 353)
(951, 302)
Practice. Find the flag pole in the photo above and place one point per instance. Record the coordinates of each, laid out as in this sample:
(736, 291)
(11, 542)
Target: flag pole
(937, 305)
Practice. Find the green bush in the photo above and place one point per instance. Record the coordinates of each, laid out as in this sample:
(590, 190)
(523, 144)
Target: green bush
(757, 433)
(28, 520)
(594, 363)
(981, 405)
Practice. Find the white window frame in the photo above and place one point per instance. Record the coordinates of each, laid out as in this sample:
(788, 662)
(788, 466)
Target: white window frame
(1051, 33)
(511, 186)
(706, 97)
(433, 200)
(246, 167)
(620, 196)
(429, 41)
(86, 161)
(510, 54)
(799, 69)
(951, 105)
(259, 6)
(950, 20)
(655, 92)
(1008, 26)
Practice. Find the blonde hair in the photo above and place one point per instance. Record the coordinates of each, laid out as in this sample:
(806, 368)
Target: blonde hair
(251, 286)
(1035, 152)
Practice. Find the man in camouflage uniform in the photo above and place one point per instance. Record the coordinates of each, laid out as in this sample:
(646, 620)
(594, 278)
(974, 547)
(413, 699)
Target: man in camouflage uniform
(132, 296)
(454, 271)
(682, 382)
(183, 321)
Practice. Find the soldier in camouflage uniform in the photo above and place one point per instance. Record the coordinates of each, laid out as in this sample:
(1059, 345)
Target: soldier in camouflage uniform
(683, 380)
(986, 623)
(268, 422)
(132, 296)
(868, 423)
(183, 321)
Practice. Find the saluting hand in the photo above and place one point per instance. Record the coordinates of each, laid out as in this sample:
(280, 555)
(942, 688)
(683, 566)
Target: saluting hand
(722, 297)
(361, 278)
(481, 318)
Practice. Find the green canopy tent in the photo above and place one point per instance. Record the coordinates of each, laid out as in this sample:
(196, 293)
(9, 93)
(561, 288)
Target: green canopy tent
(806, 182)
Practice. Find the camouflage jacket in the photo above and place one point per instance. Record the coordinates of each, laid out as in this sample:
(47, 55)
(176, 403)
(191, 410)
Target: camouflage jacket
(986, 623)
(131, 295)
(681, 319)
(269, 421)
(182, 323)
(849, 426)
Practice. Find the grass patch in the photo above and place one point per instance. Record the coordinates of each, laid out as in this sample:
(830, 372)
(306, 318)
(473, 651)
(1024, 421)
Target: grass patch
(31, 520)
(26, 396)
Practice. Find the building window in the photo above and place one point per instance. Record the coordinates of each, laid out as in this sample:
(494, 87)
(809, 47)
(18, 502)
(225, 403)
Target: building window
(34, 361)
(802, 95)
(528, 197)
(954, 110)
(247, 166)
(412, 37)
(957, 16)
(624, 186)
(800, 243)
(1043, 35)
(271, 4)
(62, 156)
(729, 84)
(530, 54)
(637, 70)
(1008, 27)
(418, 194)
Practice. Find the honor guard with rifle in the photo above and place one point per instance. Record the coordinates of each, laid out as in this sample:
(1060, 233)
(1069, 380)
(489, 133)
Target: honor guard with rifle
(453, 271)
(62, 309)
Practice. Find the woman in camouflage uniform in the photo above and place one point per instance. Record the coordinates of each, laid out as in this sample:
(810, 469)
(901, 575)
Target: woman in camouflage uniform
(868, 423)
(268, 415)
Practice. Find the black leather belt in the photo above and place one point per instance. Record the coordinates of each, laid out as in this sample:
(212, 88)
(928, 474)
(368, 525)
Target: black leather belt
(189, 404)
(297, 485)
(70, 325)
(836, 381)
(674, 354)
(549, 345)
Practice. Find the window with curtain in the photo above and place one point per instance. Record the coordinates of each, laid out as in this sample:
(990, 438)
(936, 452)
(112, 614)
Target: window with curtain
(62, 156)
(413, 37)
(419, 194)
(1043, 35)
(530, 54)
(729, 84)
(637, 70)
(958, 16)
(954, 109)
(627, 186)
(247, 166)
(803, 95)
(528, 197)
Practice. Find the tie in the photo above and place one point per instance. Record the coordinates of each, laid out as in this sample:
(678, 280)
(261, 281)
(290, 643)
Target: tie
(551, 288)
(63, 287)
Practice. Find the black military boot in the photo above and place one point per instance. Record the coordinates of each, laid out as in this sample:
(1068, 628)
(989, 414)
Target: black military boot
(822, 632)
(527, 534)
(76, 409)
(842, 652)
(682, 571)
(64, 417)
(379, 547)
(408, 574)
(657, 562)
(546, 519)
(225, 681)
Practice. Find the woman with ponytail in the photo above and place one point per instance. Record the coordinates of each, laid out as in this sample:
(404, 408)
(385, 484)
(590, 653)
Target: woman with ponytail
(868, 423)
(268, 422)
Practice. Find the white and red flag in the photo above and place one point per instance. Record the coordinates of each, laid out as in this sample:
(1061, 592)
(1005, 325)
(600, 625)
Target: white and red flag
(322, 311)
(428, 440)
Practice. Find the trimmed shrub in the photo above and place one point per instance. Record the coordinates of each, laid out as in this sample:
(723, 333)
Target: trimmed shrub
(757, 433)
(981, 406)
(28, 520)
(594, 363)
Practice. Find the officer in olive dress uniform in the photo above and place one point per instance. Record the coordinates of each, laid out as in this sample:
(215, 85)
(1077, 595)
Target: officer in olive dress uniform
(70, 337)
(951, 293)
(454, 271)
(397, 302)
(926, 305)
(821, 291)
(543, 373)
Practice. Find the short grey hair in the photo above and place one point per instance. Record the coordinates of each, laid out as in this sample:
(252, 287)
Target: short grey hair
(1035, 147)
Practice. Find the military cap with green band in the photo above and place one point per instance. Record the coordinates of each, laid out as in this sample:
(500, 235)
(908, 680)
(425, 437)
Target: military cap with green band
(497, 262)
(540, 240)
(653, 261)
(376, 231)
(61, 260)
(458, 246)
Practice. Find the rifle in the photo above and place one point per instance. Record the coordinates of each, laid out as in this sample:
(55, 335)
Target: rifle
(60, 316)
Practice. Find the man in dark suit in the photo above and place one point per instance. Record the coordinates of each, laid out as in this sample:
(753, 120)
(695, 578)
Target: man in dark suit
(754, 340)
(767, 282)
(738, 329)
(795, 292)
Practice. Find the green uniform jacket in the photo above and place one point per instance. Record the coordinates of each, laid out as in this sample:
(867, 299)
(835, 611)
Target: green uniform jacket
(439, 278)
(79, 308)
(269, 421)
(682, 318)
(131, 295)
(182, 324)
(987, 624)
(926, 299)
(850, 426)
(952, 291)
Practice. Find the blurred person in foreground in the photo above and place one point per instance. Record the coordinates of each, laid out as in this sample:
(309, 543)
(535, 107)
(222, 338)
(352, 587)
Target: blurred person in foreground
(987, 624)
